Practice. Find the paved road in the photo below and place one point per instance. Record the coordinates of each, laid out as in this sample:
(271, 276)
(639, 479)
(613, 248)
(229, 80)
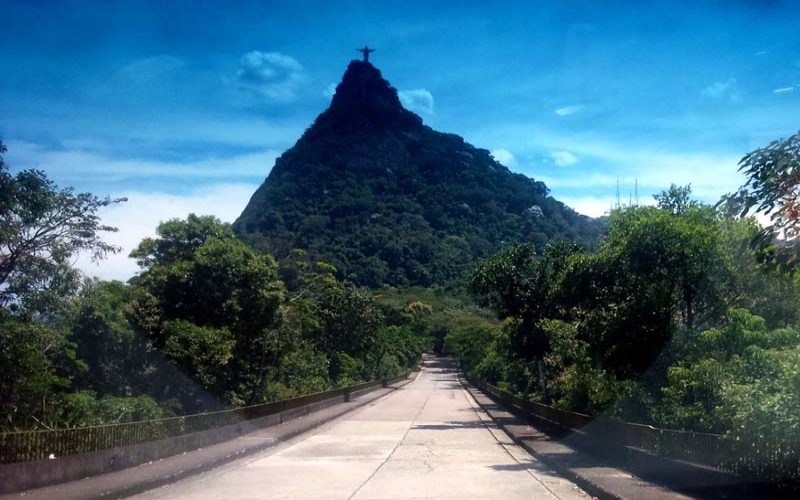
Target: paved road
(427, 440)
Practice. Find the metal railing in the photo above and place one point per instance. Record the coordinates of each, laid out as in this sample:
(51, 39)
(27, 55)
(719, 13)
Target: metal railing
(762, 460)
(25, 446)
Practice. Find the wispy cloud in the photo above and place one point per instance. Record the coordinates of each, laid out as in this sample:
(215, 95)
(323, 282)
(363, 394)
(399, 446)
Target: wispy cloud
(273, 76)
(417, 100)
(505, 157)
(67, 166)
(569, 110)
(563, 158)
(149, 69)
(710, 175)
(783, 90)
(329, 91)
(728, 90)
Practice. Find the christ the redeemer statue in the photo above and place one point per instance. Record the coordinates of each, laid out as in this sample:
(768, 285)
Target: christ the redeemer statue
(366, 50)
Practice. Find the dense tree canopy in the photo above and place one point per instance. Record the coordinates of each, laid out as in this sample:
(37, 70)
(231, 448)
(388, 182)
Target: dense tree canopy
(655, 309)
(208, 303)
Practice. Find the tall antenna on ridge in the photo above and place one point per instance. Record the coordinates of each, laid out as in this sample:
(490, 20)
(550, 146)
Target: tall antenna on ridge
(618, 192)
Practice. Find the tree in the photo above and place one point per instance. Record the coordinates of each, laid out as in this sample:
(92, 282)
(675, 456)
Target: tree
(677, 199)
(115, 355)
(178, 240)
(211, 305)
(29, 373)
(41, 229)
(673, 245)
(349, 320)
(517, 283)
(773, 189)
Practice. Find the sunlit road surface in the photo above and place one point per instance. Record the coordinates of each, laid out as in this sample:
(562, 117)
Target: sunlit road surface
(427, 440)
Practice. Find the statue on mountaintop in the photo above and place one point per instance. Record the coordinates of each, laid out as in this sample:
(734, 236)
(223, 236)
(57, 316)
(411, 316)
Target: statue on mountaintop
(366, 50)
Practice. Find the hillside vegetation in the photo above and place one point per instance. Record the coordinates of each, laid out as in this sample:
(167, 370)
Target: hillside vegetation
(389, 201)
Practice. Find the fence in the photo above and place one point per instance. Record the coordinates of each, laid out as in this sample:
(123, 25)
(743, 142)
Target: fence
(759, 460)
(36, 445)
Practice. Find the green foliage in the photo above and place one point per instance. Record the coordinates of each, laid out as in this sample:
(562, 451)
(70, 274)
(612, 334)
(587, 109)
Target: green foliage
(206, 325)
(519, 283)
(114, 354)
(734, 379)
(210, 304)
(661, 324)
(397, 349)
(772, 187)
(575, 383)
(470, 339)
(349, 320)
(27, 350)
(409, 306)
(178, 240)
(305, 370)
(202, 352)
(345, 370)
(83, 408)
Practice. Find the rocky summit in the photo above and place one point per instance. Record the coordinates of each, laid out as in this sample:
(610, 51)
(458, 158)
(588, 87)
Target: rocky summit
(387, 200)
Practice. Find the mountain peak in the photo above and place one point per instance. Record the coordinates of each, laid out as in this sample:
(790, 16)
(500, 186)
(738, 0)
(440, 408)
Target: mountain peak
(365, 98)
(390, 202)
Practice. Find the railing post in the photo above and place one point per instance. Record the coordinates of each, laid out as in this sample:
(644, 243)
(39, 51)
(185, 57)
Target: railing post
(347, 395)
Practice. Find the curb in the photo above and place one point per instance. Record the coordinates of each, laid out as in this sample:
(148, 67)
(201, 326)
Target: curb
(590, 487)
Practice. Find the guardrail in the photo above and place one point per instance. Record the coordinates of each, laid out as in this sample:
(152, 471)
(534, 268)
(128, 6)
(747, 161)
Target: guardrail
(26, 446)
(762, 461)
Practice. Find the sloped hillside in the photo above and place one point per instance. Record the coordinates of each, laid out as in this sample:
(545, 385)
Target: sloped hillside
(389, 201)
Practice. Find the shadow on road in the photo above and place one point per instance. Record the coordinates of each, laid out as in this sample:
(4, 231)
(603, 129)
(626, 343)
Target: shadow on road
(449, 426)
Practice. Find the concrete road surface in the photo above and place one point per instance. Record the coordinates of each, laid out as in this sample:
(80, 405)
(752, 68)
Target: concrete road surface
(427, 440)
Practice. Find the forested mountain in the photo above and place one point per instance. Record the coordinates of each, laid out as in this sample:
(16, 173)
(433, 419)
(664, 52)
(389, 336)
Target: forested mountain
(389, 201)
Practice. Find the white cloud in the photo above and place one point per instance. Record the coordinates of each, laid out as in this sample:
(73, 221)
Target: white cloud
(594, 206)
(569, 110)
(563, 158)
(783, 90)
(138, 218)
(723, 90)
(329, 91)
(417, 100)
(272, 75)
(504, 157)
(588, 205)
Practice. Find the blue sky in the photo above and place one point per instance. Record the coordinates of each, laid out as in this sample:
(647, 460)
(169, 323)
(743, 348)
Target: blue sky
(184, 107)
